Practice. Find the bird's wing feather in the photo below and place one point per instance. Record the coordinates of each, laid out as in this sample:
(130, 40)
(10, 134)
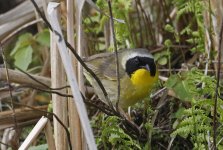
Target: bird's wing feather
(101, 65)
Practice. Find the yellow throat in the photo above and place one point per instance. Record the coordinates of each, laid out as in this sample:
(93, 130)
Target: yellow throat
(143, 81)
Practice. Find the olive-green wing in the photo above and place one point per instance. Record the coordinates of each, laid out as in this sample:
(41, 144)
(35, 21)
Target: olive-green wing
(104, 65)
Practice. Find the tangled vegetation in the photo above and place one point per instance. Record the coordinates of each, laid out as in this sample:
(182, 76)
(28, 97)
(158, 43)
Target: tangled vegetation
(183, 39)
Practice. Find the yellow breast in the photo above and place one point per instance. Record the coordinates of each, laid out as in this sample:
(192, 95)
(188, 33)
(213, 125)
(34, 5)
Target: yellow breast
(142, 83)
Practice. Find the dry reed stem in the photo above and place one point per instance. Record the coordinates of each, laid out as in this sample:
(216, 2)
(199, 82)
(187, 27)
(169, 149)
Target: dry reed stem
(49, 136)
(74, 120)
(58, 78)
(71, 76)
(24, 116)
(80, 50)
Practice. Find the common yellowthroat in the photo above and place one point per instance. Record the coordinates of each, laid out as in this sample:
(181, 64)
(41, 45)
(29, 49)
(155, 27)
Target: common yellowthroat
(138, 73)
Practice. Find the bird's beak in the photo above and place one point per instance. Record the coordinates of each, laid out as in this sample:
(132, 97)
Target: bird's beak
(146, 67)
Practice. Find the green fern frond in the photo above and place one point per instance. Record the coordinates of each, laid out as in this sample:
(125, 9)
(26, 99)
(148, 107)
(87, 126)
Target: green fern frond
(112, 134)
(183, 131)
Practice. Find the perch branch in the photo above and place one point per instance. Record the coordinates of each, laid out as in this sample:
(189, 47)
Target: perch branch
(21, 78)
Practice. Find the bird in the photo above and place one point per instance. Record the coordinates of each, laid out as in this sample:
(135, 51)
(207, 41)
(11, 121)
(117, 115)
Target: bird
(137, 71)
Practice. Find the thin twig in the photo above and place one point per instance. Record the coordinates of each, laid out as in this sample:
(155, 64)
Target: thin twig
(116, 53)
(140, 25)
(19, 29)
(159, 105)
(42, 15)
(45, 90)
(5, 144)
(30, 76)
(149, 24)
(217, 87)
(45, 85)
(145, 20)
(9, 86)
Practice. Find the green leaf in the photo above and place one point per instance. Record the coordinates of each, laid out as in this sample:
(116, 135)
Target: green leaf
(43, 38)
(179, 86)
(103, 20)
(172, 81)
(165, 53)
(167, 43)
(195, 34)
(157, 56)
(179, 113)
(169, 28)
(23, 57)
(23, 41)
(162, 61)
(182, 91)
